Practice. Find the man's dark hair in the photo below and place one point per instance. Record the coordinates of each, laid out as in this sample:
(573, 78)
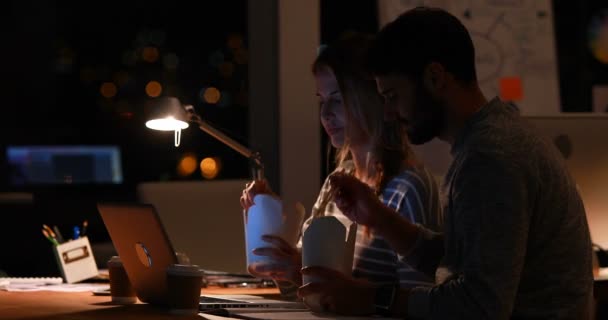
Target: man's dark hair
(346, 57)
(420, 36)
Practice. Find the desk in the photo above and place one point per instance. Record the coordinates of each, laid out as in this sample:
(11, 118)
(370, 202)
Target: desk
(85, 306)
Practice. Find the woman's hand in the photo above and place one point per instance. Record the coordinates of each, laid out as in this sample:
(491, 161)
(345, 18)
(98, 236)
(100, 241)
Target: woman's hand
(252, 189)
(284, 264)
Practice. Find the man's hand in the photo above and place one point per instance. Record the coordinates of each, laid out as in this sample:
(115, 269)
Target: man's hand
(338, 293)
(356, 200)
(286, 261)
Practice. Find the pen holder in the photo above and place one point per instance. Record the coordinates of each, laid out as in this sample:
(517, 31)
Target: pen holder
(75, 260)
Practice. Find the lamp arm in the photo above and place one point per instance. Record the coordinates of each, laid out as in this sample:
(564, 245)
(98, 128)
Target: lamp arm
(255, 158)
(257, 168)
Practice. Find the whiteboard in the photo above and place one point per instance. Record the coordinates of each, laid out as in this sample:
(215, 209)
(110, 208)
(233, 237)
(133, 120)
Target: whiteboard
(514, 47)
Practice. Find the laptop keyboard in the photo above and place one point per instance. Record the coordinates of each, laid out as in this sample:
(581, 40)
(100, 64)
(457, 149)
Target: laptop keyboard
(207, 303)
(205, 299)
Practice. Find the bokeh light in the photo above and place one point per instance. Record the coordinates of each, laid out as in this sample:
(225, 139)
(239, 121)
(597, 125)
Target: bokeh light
(216, 58)
(103, 72)
(68, 179)
(210, 167)
(171, 61)
(64, 60)
(235, 41)
(187, 165)
(154, 89)
(106, 105)
(172, 90)
(240, 56)
(129, 58)
(150, 54)
(597, 34)
(226, 69)
(124, 109)
(225, 100)
(108, 90)
(66, 52)
(87, 74)
(157, 37)
(211, 95)
(121, 78)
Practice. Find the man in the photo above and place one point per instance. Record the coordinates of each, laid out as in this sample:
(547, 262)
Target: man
(515, 243)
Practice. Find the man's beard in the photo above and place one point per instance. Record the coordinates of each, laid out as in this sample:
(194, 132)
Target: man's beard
(427, 120)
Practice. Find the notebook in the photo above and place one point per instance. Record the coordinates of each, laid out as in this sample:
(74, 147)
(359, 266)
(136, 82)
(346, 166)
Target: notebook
(31, 280)
(146, 251)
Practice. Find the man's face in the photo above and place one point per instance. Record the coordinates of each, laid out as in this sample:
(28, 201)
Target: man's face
(412, 104)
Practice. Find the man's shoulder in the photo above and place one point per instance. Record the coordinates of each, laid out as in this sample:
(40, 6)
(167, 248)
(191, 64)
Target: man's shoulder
(505, 137)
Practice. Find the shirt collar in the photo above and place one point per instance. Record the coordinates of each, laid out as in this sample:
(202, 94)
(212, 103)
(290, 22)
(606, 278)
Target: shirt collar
(476, 118)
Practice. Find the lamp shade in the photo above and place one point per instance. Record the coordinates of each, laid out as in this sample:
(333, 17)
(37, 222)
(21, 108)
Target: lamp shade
(166, 114)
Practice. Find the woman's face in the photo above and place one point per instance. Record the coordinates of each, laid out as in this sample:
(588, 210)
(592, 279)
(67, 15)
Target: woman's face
(333, 117)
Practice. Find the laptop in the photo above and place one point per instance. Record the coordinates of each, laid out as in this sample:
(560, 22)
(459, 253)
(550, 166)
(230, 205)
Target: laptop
(145, 250)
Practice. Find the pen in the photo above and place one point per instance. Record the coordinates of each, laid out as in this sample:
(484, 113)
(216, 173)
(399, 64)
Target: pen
(76, 232)
(48, 236)
(84, 228)
(50, 232)
(58, 235)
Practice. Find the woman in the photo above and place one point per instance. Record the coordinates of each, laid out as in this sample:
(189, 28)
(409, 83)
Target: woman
(373, 148)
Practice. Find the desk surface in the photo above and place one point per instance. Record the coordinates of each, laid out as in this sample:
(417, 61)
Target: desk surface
(85, 306)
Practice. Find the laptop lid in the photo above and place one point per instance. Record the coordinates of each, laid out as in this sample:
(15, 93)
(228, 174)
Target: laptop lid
(214, 236)
(143, 246)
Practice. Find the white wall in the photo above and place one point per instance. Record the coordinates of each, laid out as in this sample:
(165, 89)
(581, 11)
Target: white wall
(299, 128)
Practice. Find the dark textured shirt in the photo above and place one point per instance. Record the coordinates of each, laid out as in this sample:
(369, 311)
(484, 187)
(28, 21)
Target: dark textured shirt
(516, 242)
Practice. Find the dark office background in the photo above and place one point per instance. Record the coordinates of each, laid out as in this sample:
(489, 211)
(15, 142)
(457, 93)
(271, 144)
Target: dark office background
(75, 73)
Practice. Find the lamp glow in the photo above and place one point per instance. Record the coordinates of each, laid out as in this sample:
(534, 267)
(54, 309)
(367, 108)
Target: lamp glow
(166, 124)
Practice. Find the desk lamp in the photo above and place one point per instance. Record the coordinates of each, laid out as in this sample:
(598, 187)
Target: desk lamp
(170, 115)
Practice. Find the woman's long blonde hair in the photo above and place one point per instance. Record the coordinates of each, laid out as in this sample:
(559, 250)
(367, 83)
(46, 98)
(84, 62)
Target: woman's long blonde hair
(364, 107)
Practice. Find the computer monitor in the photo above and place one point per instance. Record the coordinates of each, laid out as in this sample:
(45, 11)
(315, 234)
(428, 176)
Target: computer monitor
(583, 140)
(60, 165)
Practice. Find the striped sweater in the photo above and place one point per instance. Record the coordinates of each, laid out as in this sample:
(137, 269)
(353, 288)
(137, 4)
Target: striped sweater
(414, 194)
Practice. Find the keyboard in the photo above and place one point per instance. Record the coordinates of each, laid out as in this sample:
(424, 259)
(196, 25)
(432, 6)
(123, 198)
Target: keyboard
(31, 280)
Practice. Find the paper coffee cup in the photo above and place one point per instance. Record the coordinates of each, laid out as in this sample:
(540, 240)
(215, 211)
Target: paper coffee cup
(268, 216)
(121, 290)
(184, 287)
